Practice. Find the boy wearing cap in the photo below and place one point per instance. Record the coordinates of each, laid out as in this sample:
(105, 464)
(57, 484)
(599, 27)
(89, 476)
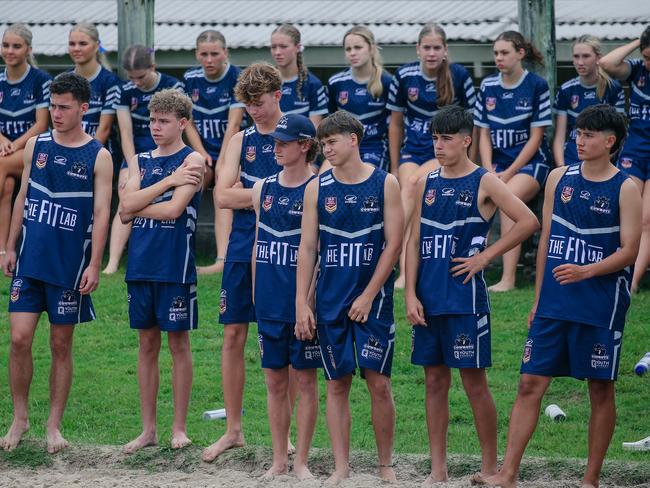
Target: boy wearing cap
(278, 202)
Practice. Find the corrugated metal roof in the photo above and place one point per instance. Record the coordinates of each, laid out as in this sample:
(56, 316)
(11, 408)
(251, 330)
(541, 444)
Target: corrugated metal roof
(249, 23)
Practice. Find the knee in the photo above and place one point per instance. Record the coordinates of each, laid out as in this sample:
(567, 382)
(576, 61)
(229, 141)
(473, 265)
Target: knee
(61, 348)
(645, 222)
(306, 382)
(8, 190)
(601, 392)
(531, 387)
(21, 343)
(234, 338)
(179, 343)
(338, 387)
(437, 382)
(475, 389)
(379, 387)
(277, 385)
(149, 346)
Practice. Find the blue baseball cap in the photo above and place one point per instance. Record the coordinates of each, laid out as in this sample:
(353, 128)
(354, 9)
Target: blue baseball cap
(292, 127)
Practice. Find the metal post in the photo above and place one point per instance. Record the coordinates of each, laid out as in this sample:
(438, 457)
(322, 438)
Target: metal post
(135, 25)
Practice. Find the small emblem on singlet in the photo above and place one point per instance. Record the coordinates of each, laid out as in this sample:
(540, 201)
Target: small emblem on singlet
(268, 202)
(250, 153)
(567, 194)
(641, 82)
(195, 95)
(601, 205)
(296, 208)
(490, 103)
(41, 160)
(626, 163)
(430, 197)
(330, 204)
(78, 170)
(465, 198)
(413, 93)
(343, 97)
(575, 100)
(134, 103)
(370, 204)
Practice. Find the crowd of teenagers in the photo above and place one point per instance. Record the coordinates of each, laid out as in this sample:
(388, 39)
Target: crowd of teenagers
(320, 191)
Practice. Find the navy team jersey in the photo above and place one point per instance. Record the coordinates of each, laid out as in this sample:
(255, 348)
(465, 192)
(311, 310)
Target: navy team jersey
(312, 99)
(276, 253)
(345, 93)
(637, 144)
(20, 99)
(412, 93)
(572, 98)
(212, 100)
(137, 102)
(585, 229)
(451, 226)
(58, 215)
(104, 93)
(257, 161)
(163, 250)
(510, 113)
(351, 231)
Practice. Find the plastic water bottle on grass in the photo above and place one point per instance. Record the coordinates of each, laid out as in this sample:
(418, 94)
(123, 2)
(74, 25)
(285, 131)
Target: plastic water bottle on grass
(643, 365)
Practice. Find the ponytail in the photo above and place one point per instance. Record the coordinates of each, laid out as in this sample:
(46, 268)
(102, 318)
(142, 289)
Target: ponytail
(91, 31)
(294, 34)
(375, 86)
(604, 80)
(444, 82)
(22, 31)
(532, 54)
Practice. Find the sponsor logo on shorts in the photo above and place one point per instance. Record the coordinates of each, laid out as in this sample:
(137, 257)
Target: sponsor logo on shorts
(463, 347)
(601, 206)
(490, 103)
(68, 303)
(343, 97)
(250, 153)
(312, 352)
(268, 203)
(370, 204)
(567, 194)
(78, 170)
(413, 93)
(222, 302)
(128, 298)
(528, 351)
(331, 356)
(626, 163)
(575, 100)
(599, 357)
(296, 208)
(412, 339)
(41, 160)
(260, 343)
(372, 350)
(465, 198)
(430, 196)
(15, 289)
(330, 204)
(178, 309)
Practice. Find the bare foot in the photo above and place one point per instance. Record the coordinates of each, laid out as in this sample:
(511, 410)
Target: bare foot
(501, 480)
(227, 441)
(291, 449)
(55, 441)
(273, 472)
(217, 267)
(15, 433)
(337, 477)
(588, 485)
(501, 286)
(302, 472)
(478, 478)
(140, 442)
(387, 474)
(180, 440)
(110, 269)
(433, 481)
(400, 282)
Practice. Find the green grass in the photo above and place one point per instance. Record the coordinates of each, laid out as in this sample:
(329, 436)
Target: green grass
(104, 407)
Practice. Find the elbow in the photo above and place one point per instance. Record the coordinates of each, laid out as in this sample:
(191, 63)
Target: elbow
(126, 203)
(222, 201)
(172, 212)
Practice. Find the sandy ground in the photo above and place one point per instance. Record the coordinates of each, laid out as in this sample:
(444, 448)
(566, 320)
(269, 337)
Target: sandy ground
(106, 466)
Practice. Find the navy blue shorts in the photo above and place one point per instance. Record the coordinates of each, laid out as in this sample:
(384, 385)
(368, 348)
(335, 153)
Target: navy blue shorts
(236, 297)
(538, 171)
(415, 158)
(457, 341)
(63, 306)
(635, 166)
(348, 344)
(171, 306)
(279, 347)
(562, 348)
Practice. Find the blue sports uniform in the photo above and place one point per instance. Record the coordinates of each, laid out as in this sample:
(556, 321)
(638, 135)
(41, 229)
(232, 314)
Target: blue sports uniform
(345, 93)
(572, 98)
(104, 93)
(351, 231)
(136, 101)
(257, 161)
(510, 113)
(412, 93)
(635, 155)
(577, 329)
(212, 101)
(58, 221)
(161, 273)
(312, 99)
(276, 257)
(457, 314)
(20, 99)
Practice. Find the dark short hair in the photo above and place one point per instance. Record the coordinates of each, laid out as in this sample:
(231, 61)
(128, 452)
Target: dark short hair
(452, 119)
(604, 118)
(644, 38)
(340, 122)
(70, 82)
